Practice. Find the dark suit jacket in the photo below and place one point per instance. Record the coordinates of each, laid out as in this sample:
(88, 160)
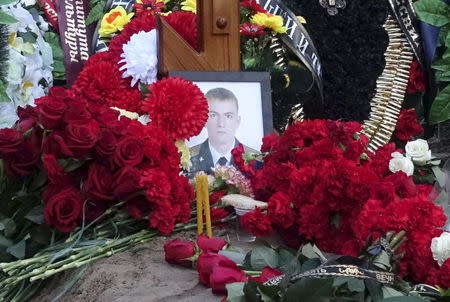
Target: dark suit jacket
(201, 157)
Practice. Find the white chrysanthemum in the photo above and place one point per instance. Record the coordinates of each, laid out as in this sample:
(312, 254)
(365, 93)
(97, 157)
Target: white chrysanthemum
(140, 56)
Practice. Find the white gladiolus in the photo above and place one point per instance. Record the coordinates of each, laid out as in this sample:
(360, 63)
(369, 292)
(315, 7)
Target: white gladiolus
(401, 163)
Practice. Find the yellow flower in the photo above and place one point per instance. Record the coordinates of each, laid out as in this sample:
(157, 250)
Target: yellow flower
(301, 19)
(275, 23)
(185, 155)
(114, 21)
(189, 6)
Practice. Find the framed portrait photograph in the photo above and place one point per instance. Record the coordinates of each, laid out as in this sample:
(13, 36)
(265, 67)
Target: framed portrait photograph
(240, 112)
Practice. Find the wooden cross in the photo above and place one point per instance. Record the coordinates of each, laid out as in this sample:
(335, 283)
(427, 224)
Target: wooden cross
(219, 40)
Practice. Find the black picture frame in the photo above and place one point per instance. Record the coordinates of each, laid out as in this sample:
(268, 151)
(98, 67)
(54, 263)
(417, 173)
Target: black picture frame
(263, 78)
(255, 114)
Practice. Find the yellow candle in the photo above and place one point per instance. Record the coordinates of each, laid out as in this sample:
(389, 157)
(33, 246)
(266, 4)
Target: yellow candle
(206, 206)
(199, 193)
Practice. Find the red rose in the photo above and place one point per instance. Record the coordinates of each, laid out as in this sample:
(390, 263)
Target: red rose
(127, 181)
(225, 274)
(129, 151)
(63, 209)
(207, 261)
(257, 223)
(106, 144)
(100, 183)
(280, 210)
(407, 125)
(81, 137)
(176, 251)
(210, 245)
(55, 144)
(77, 112)
(55, 172)
(267, 273)
(27, 118)
(10, 140)
(24, 160)
(50, 111)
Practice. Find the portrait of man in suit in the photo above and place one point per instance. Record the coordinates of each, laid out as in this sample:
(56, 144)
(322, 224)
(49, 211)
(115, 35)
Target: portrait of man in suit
(223, 122)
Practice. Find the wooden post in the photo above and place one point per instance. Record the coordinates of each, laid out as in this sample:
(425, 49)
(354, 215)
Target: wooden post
(219, 40)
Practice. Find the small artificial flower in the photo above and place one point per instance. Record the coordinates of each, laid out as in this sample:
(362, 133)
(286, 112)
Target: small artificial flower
(189, 6)
(275, 23)
(140, 56)
(185, 155)
(114, 21)
(148, 6)
(251, 29)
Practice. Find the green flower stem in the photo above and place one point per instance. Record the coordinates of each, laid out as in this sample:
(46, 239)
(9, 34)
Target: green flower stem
(7, 266)
(252, 273)
(397, 238)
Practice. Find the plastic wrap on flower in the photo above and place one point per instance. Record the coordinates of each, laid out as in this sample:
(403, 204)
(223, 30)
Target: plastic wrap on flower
(242, 202)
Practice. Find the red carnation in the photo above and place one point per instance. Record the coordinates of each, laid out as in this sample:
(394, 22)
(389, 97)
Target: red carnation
(280, 210)
(185, 24)
(417, 79)
(102, 83)
(257, 223)
(63, 209)
(407, 125)
(177, 106)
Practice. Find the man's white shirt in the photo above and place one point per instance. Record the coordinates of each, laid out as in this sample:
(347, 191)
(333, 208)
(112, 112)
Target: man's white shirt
(216, 155)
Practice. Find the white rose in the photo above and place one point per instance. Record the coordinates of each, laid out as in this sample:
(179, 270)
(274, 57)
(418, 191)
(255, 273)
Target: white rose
(401, 163)
(419, 151)
(440, 247)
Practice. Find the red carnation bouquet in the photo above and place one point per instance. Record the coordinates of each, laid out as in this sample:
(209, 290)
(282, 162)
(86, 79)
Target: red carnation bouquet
(322, 187)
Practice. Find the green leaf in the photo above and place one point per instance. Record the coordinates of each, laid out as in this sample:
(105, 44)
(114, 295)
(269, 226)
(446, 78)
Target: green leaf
(308, 251)
(5, 2)
(18, 249)
(3, 96)
(434, 12)
(288, 263)
(311, 290)
(382, 260)
(36, 214)
(390, 292)
(442, 65)
(58, 56)
(5, 242)
(404, 299)
(356, 285)
(374, 288)
(440, 109)
(310, 264)
(235, 292)
(6, 19)
(237, 256)
(251, 292)
(96, 13)
(8, 226)
(263, 256)
(28, 36)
